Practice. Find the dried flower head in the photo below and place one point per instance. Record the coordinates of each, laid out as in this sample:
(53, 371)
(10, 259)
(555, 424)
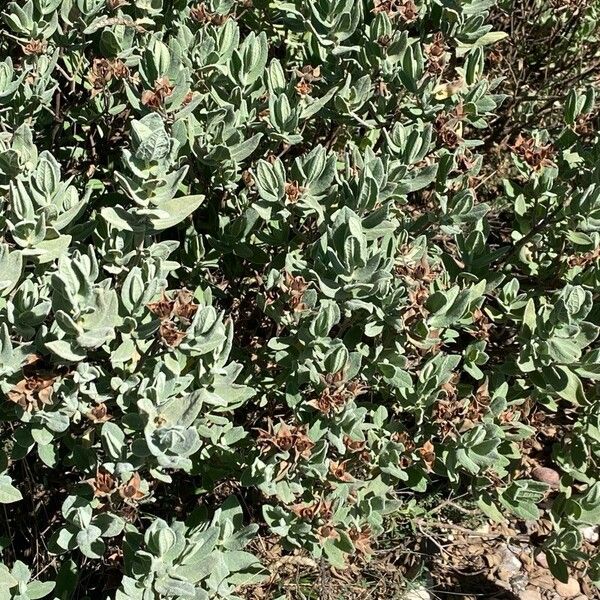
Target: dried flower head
(181, 307)
(427, 454)
(361, 540)
(162, 308)
(247, 178)
(535, 155)
(35, 390)
(449, 130)
(309, 74)
(104, 484)
(35, 47)
(328, 532)
(295, 287)
(406, 10)
(287, 438)
(114, 4)
(339, 471)
(201, 14)
(131, 490)
(303, 88)
(184, 306)
(308, 511)
(293, 192)
(483, 325)
(585, 259)
(156, 97)
(99, 413)
(169, 334)
(436, 53)
(354, 445)
(103, 71)
(336, 395)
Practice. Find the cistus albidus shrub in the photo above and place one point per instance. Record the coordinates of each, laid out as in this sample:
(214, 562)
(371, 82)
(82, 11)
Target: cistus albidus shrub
(251, 283)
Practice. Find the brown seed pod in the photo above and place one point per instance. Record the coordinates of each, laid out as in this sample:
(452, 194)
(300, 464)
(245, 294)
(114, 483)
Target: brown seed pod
(104, 484)
(131, 490)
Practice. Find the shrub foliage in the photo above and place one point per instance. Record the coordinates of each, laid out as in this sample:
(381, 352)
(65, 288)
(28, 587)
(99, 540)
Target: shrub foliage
(253, 277)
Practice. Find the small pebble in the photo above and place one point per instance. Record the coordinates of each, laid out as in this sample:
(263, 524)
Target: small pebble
(419, 593)
(546, 475)
(530, 594)
(540, 559)
(509, 564)
(570, 589)
(518, 583)
(591, 534)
